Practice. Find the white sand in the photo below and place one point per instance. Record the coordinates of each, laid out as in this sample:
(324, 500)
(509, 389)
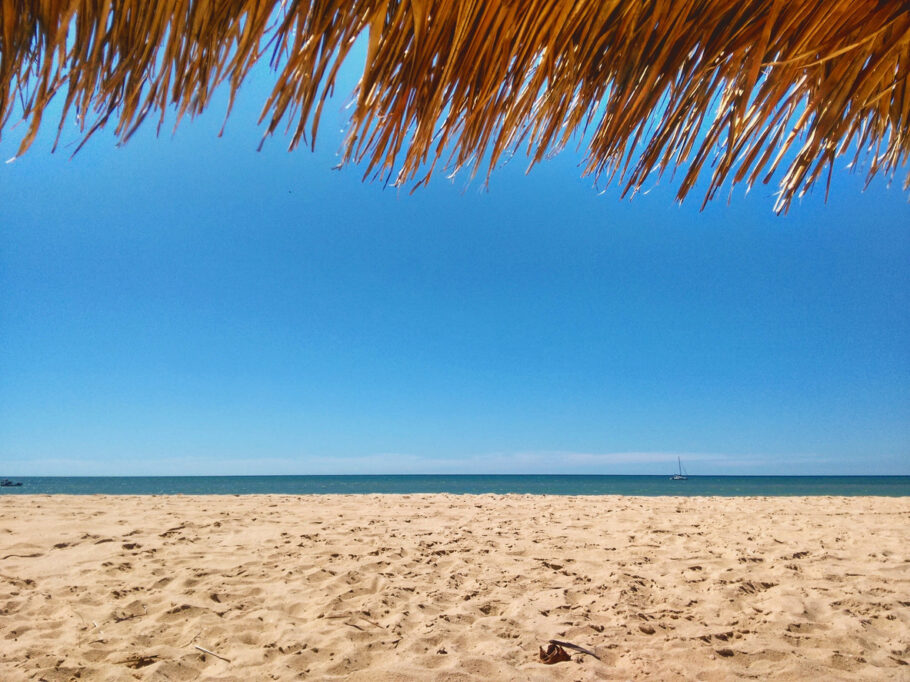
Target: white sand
(445, 587)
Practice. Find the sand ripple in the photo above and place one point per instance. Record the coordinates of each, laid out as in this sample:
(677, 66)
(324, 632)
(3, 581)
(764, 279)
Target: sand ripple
(417, 587)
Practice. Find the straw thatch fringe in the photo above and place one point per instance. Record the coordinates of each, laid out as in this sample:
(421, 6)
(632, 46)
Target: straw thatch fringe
(730, 89)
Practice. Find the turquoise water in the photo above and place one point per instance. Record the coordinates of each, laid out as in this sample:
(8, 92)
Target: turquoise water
(725, 486)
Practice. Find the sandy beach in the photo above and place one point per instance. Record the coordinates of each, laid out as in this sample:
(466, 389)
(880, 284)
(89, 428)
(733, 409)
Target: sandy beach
(444, 587)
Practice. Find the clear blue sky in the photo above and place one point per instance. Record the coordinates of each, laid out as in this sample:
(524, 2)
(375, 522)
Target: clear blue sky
(189, 305)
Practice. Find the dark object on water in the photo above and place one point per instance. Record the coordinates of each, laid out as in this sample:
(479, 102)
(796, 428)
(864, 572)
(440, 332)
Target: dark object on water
(6, 483)
(681, 476)
(553, 654)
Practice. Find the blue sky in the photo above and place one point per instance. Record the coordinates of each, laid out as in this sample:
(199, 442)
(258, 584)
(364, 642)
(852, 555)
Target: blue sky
(187, 305)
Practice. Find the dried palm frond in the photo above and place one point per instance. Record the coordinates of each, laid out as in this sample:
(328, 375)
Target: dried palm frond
(729, 89)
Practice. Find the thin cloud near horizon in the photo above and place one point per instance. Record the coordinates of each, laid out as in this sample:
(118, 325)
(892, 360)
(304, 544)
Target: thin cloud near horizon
(530, 463)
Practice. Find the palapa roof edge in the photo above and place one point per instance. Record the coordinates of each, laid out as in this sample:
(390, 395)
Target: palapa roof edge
(733, 90)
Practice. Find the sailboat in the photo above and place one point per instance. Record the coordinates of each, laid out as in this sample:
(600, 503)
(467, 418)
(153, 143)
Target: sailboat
(681, 476)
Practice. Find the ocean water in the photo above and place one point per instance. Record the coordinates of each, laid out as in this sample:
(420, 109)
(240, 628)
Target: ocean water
(724, 486)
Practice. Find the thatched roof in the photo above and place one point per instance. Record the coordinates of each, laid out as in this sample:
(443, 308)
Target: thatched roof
(726, 89)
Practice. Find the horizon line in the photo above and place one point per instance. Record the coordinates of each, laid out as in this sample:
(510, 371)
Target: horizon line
(414, 475)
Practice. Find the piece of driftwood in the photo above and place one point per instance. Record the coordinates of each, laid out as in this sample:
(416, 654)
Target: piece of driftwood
(138, 661)
(357, 616)
(372, 622)
(212, 653)
(574, 647)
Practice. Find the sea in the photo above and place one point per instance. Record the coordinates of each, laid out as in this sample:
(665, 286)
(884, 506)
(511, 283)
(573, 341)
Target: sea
(467, 484)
